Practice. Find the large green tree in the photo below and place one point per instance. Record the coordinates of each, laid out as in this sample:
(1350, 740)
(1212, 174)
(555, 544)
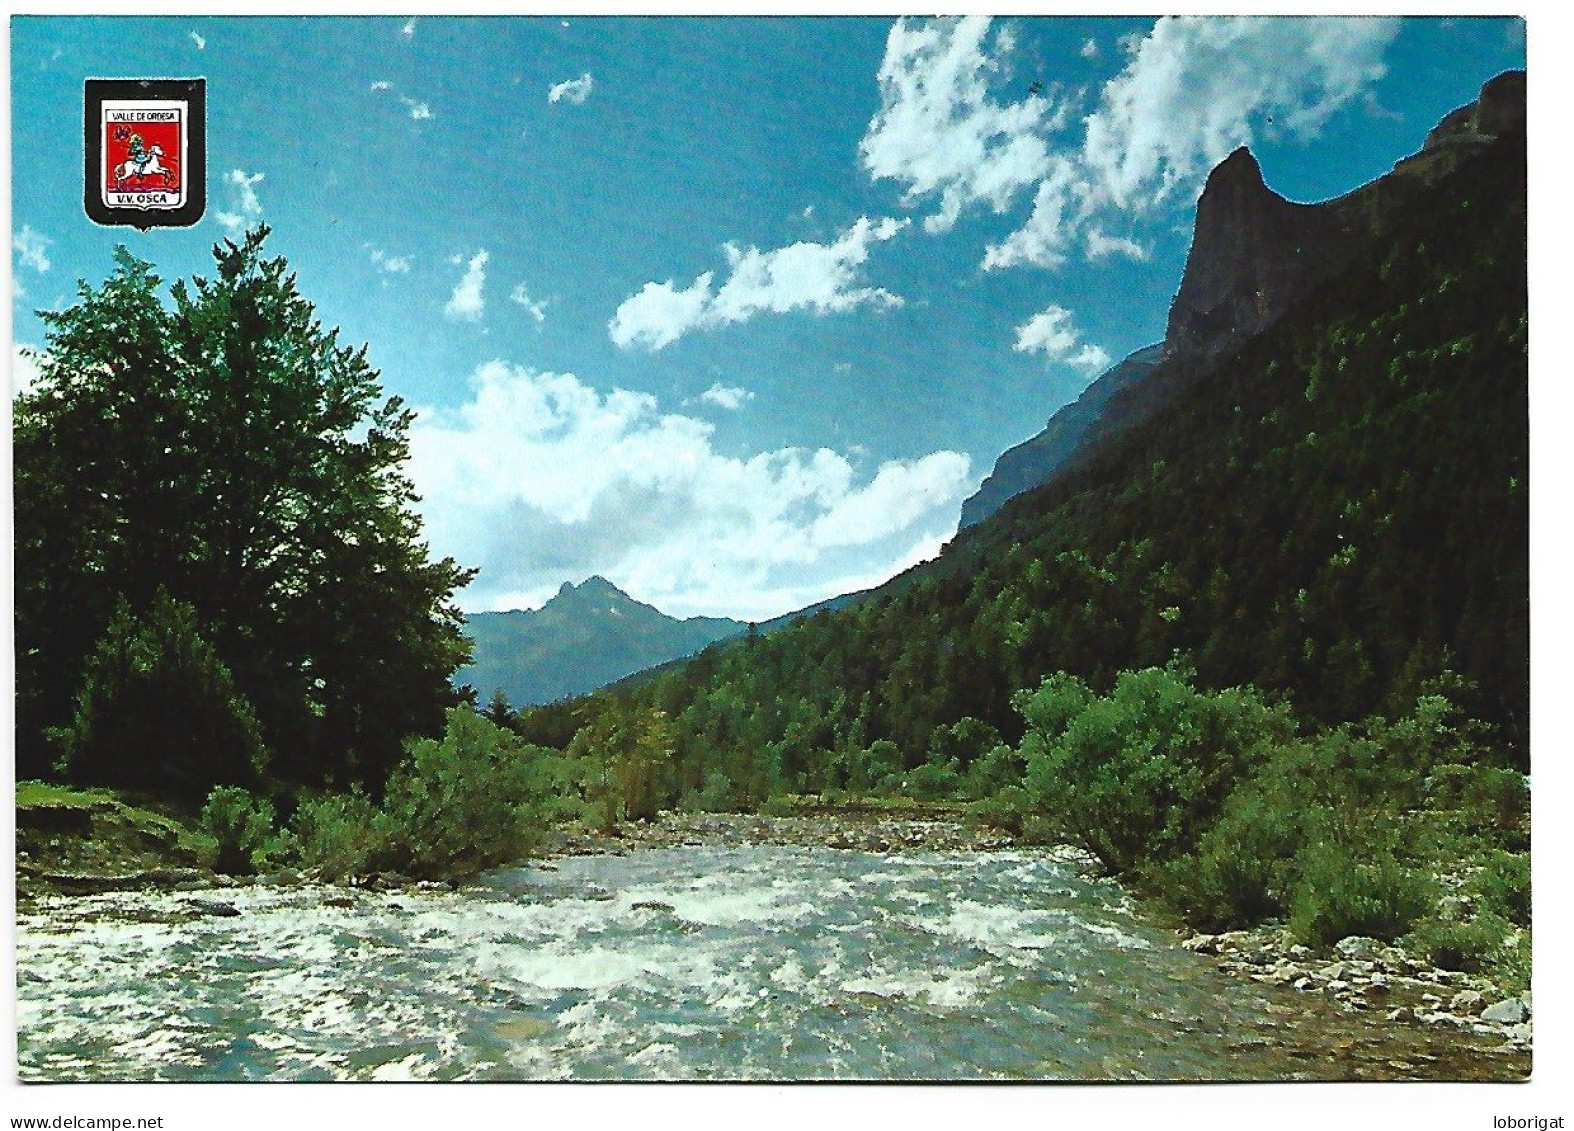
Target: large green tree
(224, 447)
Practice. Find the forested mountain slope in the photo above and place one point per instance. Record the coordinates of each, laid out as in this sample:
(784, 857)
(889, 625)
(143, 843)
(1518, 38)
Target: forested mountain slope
(1334, 509)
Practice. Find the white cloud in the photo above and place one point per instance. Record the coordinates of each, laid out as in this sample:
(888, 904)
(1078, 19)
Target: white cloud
(1102, 246)
(536, 310)
(32, 249)
(392, 264)
(382, 84)
(25, 369)
(202, 44)
(730, 397)
(1191, 90)
(420, 111)
(1198, 87)
(1051, 333)
(408, 31)
(467, 304)
(574, 90)
(246, 208)
(540, 477)
(809, 276)
(937, 130)
(1090, 50)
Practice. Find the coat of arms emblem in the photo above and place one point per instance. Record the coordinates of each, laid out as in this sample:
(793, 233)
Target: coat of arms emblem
(145, 151)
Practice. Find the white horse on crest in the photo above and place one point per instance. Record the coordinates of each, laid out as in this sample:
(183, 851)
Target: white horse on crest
(149, 166)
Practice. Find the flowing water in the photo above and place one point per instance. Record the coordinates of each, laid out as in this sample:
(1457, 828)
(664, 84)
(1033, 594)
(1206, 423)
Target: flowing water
(701, 962)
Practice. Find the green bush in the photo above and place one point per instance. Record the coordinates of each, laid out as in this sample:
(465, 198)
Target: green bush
(715, 796)
(241, 827)
(1006, 810)
(1340, 892)
(1137, 775)
(1470, 946)
(778, 805)
(158, 710)
(338, 835)
(1503, 885)
(462, 803)
(933, 781)
(1000, 767)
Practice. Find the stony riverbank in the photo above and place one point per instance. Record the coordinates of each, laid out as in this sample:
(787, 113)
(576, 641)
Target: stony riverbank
(1363, 975)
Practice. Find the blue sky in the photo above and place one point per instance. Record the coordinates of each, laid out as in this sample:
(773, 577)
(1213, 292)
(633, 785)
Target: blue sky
(734, 312)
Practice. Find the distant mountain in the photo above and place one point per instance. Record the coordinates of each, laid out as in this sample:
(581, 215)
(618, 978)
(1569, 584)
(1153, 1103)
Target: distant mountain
(1254, 256)
(586, 637)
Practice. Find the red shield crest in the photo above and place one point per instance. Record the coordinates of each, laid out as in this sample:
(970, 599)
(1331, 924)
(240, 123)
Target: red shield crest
(145, 152)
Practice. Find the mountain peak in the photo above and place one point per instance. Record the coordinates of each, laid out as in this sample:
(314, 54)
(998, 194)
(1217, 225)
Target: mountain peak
(1241, 165)
(593, 588)
(1251, 251)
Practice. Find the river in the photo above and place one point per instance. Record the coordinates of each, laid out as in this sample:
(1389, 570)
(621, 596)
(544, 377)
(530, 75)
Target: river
(708, 961)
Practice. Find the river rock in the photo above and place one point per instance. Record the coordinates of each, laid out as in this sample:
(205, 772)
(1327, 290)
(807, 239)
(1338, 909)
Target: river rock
(1508, 1012)
(1401, 1014)
(216, 908)
(1467, 1001)
(1358, 946)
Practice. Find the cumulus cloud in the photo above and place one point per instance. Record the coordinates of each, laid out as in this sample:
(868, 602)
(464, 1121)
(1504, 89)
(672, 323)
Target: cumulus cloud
(938, 131)
(202, 44)
(1191, 90)
(574, 90)
(419, 111)
(32, 249)
(540, 477)
(1051, 333)
(1090, 50)
(382, 84)
(244, 208)
(730, 397)
(1198, 87)
(392, 264)
(467, 303)
(408, 31)
(803, 276)
(536, 310)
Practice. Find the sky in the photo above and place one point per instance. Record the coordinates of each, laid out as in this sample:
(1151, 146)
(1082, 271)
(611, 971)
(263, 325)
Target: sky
(733, 312)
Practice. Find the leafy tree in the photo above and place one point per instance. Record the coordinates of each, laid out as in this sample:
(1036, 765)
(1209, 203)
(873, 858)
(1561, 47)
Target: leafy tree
(159, 710)
(227, 448)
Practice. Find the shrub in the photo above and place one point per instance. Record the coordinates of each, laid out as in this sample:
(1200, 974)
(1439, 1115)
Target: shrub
(339, 835)
(1002, 766)
(1138, 774)
(159, 710)
(1006, 810)
(462, 803)
(715, 796)
(1504, 887)
(1340, 892)
(933, 781)
(1470, 945)
(778, 805)
(241, 827)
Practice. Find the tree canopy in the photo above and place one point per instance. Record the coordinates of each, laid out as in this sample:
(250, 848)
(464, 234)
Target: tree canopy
(224, 448)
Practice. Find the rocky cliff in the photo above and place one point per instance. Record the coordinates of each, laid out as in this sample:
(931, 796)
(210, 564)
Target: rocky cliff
(1253, 255)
